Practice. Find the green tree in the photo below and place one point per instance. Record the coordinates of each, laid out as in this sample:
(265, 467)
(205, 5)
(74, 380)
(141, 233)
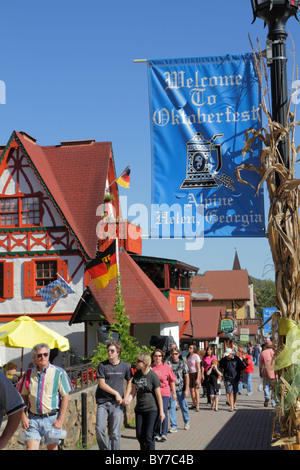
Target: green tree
(265, 294)
(121, 325)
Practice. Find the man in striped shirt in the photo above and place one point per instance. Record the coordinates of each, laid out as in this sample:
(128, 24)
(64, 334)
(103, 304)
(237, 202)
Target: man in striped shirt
(45, 389)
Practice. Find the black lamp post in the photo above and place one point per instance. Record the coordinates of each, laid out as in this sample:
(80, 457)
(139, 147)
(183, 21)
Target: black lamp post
(276, 13)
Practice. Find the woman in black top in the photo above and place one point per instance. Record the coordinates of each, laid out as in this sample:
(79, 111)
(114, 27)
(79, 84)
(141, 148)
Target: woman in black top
(149, 405)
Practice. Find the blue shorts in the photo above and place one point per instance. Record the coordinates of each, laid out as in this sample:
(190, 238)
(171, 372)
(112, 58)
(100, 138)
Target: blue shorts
(39, 428)
(231, 387)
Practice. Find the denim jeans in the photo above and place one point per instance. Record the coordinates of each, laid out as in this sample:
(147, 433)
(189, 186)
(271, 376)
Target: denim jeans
(247, 382)
(39, 427)
(256, 359)
(112, 414)
(184, 410)
(144, 425)
(161, 428)
(268, 391)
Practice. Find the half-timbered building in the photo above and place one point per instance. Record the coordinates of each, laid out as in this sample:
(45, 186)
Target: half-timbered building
(59, 204)
(51, 204)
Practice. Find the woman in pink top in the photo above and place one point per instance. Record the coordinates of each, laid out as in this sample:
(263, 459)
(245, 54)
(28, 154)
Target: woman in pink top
(206, 363)
(167, 384)
(266, 371)
(193, 361)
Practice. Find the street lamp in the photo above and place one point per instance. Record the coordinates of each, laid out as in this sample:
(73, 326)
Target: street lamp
(276, 13)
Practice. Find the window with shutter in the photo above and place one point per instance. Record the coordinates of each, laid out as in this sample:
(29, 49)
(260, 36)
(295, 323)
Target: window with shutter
(40, 273)
(6, 280)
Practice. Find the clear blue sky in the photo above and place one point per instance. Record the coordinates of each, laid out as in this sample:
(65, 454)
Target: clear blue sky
(69, 74)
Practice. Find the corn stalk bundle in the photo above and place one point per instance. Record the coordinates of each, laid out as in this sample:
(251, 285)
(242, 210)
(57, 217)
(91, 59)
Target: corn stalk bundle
(283, 234)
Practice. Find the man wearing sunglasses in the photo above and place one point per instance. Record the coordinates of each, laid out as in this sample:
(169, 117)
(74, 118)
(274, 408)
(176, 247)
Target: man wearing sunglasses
(45, 389)
(110, 397)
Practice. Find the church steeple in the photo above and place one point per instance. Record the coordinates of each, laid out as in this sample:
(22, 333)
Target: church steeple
(236, 262)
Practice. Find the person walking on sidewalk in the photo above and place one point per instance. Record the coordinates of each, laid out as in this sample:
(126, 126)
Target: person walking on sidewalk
(193, 362)
(45, 389)
(181, 372)
(266, 371)
(256, 354)
(248, 372)
(109, 397)
(149, 404)
(167, 386)
(214, 380)
(232, 367)
(205, 365)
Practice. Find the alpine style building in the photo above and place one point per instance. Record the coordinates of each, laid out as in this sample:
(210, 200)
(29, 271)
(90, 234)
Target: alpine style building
(59, 205)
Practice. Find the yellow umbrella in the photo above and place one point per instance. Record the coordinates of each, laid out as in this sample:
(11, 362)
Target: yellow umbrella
(24, 332)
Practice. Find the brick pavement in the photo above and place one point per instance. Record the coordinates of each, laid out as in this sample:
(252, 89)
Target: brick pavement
(248, 428)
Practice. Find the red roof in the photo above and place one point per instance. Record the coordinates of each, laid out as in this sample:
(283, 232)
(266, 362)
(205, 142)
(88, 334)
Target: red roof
(204, 324)
(144, 302)
(223, 285)
(74, 176)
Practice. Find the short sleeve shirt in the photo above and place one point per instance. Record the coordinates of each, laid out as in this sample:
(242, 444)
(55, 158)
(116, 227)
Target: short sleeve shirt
(166, 376)
(45, 389)
(146, 385)
(114, 376)
(10, 399)
(192, 362)
(180, 369)
(206, 362)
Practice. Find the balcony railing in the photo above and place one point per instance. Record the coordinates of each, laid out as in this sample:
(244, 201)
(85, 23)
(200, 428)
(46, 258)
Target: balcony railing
(82, 376)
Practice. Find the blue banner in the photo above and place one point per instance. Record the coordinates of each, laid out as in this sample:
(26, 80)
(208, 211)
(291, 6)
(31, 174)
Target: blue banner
(267, 313)
(200, 109)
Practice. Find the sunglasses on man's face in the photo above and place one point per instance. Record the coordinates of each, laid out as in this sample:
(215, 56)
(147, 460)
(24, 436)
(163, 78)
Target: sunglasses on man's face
(42, 355)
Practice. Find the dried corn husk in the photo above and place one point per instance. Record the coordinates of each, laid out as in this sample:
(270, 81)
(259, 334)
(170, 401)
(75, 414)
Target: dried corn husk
(284, 238)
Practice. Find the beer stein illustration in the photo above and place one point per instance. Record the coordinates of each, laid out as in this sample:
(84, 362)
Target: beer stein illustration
(204, 161)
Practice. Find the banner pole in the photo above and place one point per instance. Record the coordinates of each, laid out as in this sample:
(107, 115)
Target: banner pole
(74, 291)
(117, 255)
(123, 172)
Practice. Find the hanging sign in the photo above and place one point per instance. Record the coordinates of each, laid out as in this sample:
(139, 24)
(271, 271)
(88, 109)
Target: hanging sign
(227, 325)
(200, 109)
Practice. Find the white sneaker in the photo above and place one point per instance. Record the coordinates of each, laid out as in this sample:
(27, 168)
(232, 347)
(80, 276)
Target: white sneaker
(187, 426)
(163, 438)
(173, 430)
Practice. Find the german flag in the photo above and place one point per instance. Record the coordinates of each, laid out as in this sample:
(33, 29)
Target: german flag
(104, 266)
(124, 178)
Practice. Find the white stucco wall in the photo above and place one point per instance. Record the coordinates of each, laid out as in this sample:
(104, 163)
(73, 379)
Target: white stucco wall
(74, 333)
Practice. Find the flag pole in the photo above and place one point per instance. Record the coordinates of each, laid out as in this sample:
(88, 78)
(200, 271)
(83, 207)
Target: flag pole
(118, 264)
(77, 293)
(117, 256)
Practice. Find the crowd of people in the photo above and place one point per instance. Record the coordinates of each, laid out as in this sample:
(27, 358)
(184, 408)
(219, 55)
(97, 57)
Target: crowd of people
(161, 385)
